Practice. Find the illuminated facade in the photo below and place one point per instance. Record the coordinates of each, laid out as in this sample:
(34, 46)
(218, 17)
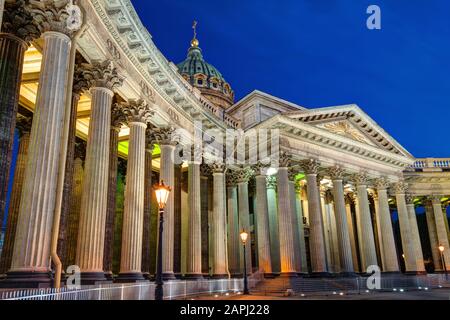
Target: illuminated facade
(324, 209)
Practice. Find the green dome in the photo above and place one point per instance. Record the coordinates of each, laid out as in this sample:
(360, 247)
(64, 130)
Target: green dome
(204, 76)
(195, 64)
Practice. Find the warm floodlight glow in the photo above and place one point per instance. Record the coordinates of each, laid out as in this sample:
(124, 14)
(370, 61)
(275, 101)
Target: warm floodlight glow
(244, 237)
(441, 248)
(272, 171)
(162, 194)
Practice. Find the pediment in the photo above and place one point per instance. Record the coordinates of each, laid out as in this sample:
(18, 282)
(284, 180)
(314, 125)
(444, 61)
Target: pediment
(350, 121)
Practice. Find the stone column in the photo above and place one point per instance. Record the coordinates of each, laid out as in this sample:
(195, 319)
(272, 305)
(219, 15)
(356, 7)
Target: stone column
(194, 246)
(292, 173)
(415, 237)
(73, 220)
(94, 200)
(243, 176)
(351, 231)
(17, 32)
(286, 228)
(218, 241)
(163, 137)
(301, 230)
(80, 85)
(441, 229)
(2, 7)
(273, 223)
(30, 262)
(138, 114)
(316, 240)
(366, 241)
(405, 229)
(262, 219)
(117, 120)
(432, 233)
(343, 237)
(23, 126)
(387, 235)
(148, 195)
(234, 243)
(376, 224)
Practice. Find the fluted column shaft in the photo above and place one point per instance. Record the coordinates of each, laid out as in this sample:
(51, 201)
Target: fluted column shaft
(68, 179)
(74, 214)
(218, 226)
(244, 221)
(194, 246)
(111, 204)
(91, 235)
(295, 228)
(133, 217)
(405, 230)
(34, 229)
(167, 175)
(233, 230)
(343, 237)
(432, 233)
(262, 218)
(148, 194)
(377, 223)
(387, 234)
(14, 203)
(351, 231)
(12, 51)
(415, 237)
(301, 233)
(316, 240)
(286, 232)
(441, 231)
(273, 223)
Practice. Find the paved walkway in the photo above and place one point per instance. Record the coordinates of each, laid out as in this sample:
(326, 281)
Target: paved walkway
(436, 294)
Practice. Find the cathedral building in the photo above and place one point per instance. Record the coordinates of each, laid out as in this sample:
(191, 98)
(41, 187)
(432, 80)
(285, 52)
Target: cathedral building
(101, 116)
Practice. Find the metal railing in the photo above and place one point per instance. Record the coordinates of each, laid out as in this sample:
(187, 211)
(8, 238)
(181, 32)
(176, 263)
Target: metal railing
(137, 291)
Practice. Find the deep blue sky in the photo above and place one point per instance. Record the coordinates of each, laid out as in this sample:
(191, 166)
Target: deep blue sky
(319, 53)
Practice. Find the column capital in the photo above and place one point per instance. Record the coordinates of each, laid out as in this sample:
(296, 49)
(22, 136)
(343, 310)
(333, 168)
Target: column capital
(401, 187)
(217, 167)
(18, 21)
(349, 198)
(57, 16)
(164, 136)
(285, 160)
(381, 183)
(361, 179)
(118, 117)
(23, 124)
(137, 111)
(243, 175)
(81, 83)
(292, 173)
(103, 75)
(205, 170)
(310, 166)
(409, 198)
(271, 182)
(260, 169)
(336, 173)
(231, 178)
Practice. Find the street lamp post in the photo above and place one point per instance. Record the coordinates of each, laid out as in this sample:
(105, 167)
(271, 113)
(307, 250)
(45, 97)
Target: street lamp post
(162, 194)
(244, 237)
(441, 250)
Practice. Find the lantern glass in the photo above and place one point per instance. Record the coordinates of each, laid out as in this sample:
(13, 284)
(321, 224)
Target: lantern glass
(162, 194)
(244, 236)
(441, 248)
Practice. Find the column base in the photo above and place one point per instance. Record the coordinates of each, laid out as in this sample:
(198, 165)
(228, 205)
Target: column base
(146, 275)
(348, 275)
(319, 275)
(219, 276)
(415, 273)
(269, 275)
(193, 276)
(288, 275)
(30, 280)
(168, 276)
(302, 274)
(109, 276)
(130, 277)
(92, 278)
